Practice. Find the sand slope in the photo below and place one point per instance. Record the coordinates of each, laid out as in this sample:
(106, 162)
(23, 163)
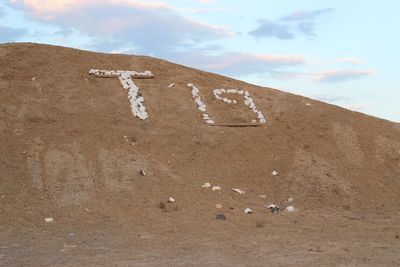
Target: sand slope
(72, 150)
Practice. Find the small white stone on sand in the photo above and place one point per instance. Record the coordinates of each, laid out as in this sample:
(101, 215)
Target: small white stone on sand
(171, 85)
(218, 206)
(248, 211)
(274, 173)
(216, 188)
(240, 191)
(290, 199)
(49, 220)
(171, 200)
(206, 185)
(263, 196)
(290, 209)
(271, 206)
(308, 104)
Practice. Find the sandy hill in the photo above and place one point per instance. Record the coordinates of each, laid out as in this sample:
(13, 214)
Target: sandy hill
(72, 150)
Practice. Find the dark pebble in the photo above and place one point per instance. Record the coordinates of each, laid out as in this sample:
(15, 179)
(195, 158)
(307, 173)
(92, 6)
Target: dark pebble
(221, 217)
(275, 210)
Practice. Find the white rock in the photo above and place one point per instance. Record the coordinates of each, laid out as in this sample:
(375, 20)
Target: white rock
(125, 76)
(226, 100)
(218, 206)
(49, 220)
(171, 85)
(171, 200)
(248, 101)
(274, 173)
(203, 108)
(216, 188)
(206, 185)
(290, 199)
(137, 104)
(248, 211)
(206, 116)
(240, 191)
(271, 206)
(263, 196)
(290, 209)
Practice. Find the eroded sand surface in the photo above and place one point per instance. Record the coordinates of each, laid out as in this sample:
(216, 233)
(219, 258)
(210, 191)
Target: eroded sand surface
(71, 150)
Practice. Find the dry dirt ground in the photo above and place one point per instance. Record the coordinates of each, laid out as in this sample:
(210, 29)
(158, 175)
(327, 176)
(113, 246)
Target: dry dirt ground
(72, 150)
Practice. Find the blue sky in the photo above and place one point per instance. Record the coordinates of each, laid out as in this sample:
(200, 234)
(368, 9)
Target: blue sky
(342, 52)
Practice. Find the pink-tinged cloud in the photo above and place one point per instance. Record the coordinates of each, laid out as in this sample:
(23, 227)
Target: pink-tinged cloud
(150, 27)
(359, 106)
(342, 75)
(41, 7)
(351, 60)
(336, 61)
(256, 60)
(241, 63)
(206, 1)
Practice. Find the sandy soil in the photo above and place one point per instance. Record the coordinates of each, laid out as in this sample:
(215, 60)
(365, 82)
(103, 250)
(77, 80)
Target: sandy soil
(72, 150)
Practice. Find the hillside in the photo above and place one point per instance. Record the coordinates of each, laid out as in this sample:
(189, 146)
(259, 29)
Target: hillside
(72, 150)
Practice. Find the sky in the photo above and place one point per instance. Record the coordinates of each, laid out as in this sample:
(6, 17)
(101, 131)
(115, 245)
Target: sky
(344, 52)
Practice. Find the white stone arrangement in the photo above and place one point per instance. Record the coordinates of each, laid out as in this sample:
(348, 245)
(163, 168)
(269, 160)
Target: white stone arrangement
(125, 77)
(200, 104)
(248, 101)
